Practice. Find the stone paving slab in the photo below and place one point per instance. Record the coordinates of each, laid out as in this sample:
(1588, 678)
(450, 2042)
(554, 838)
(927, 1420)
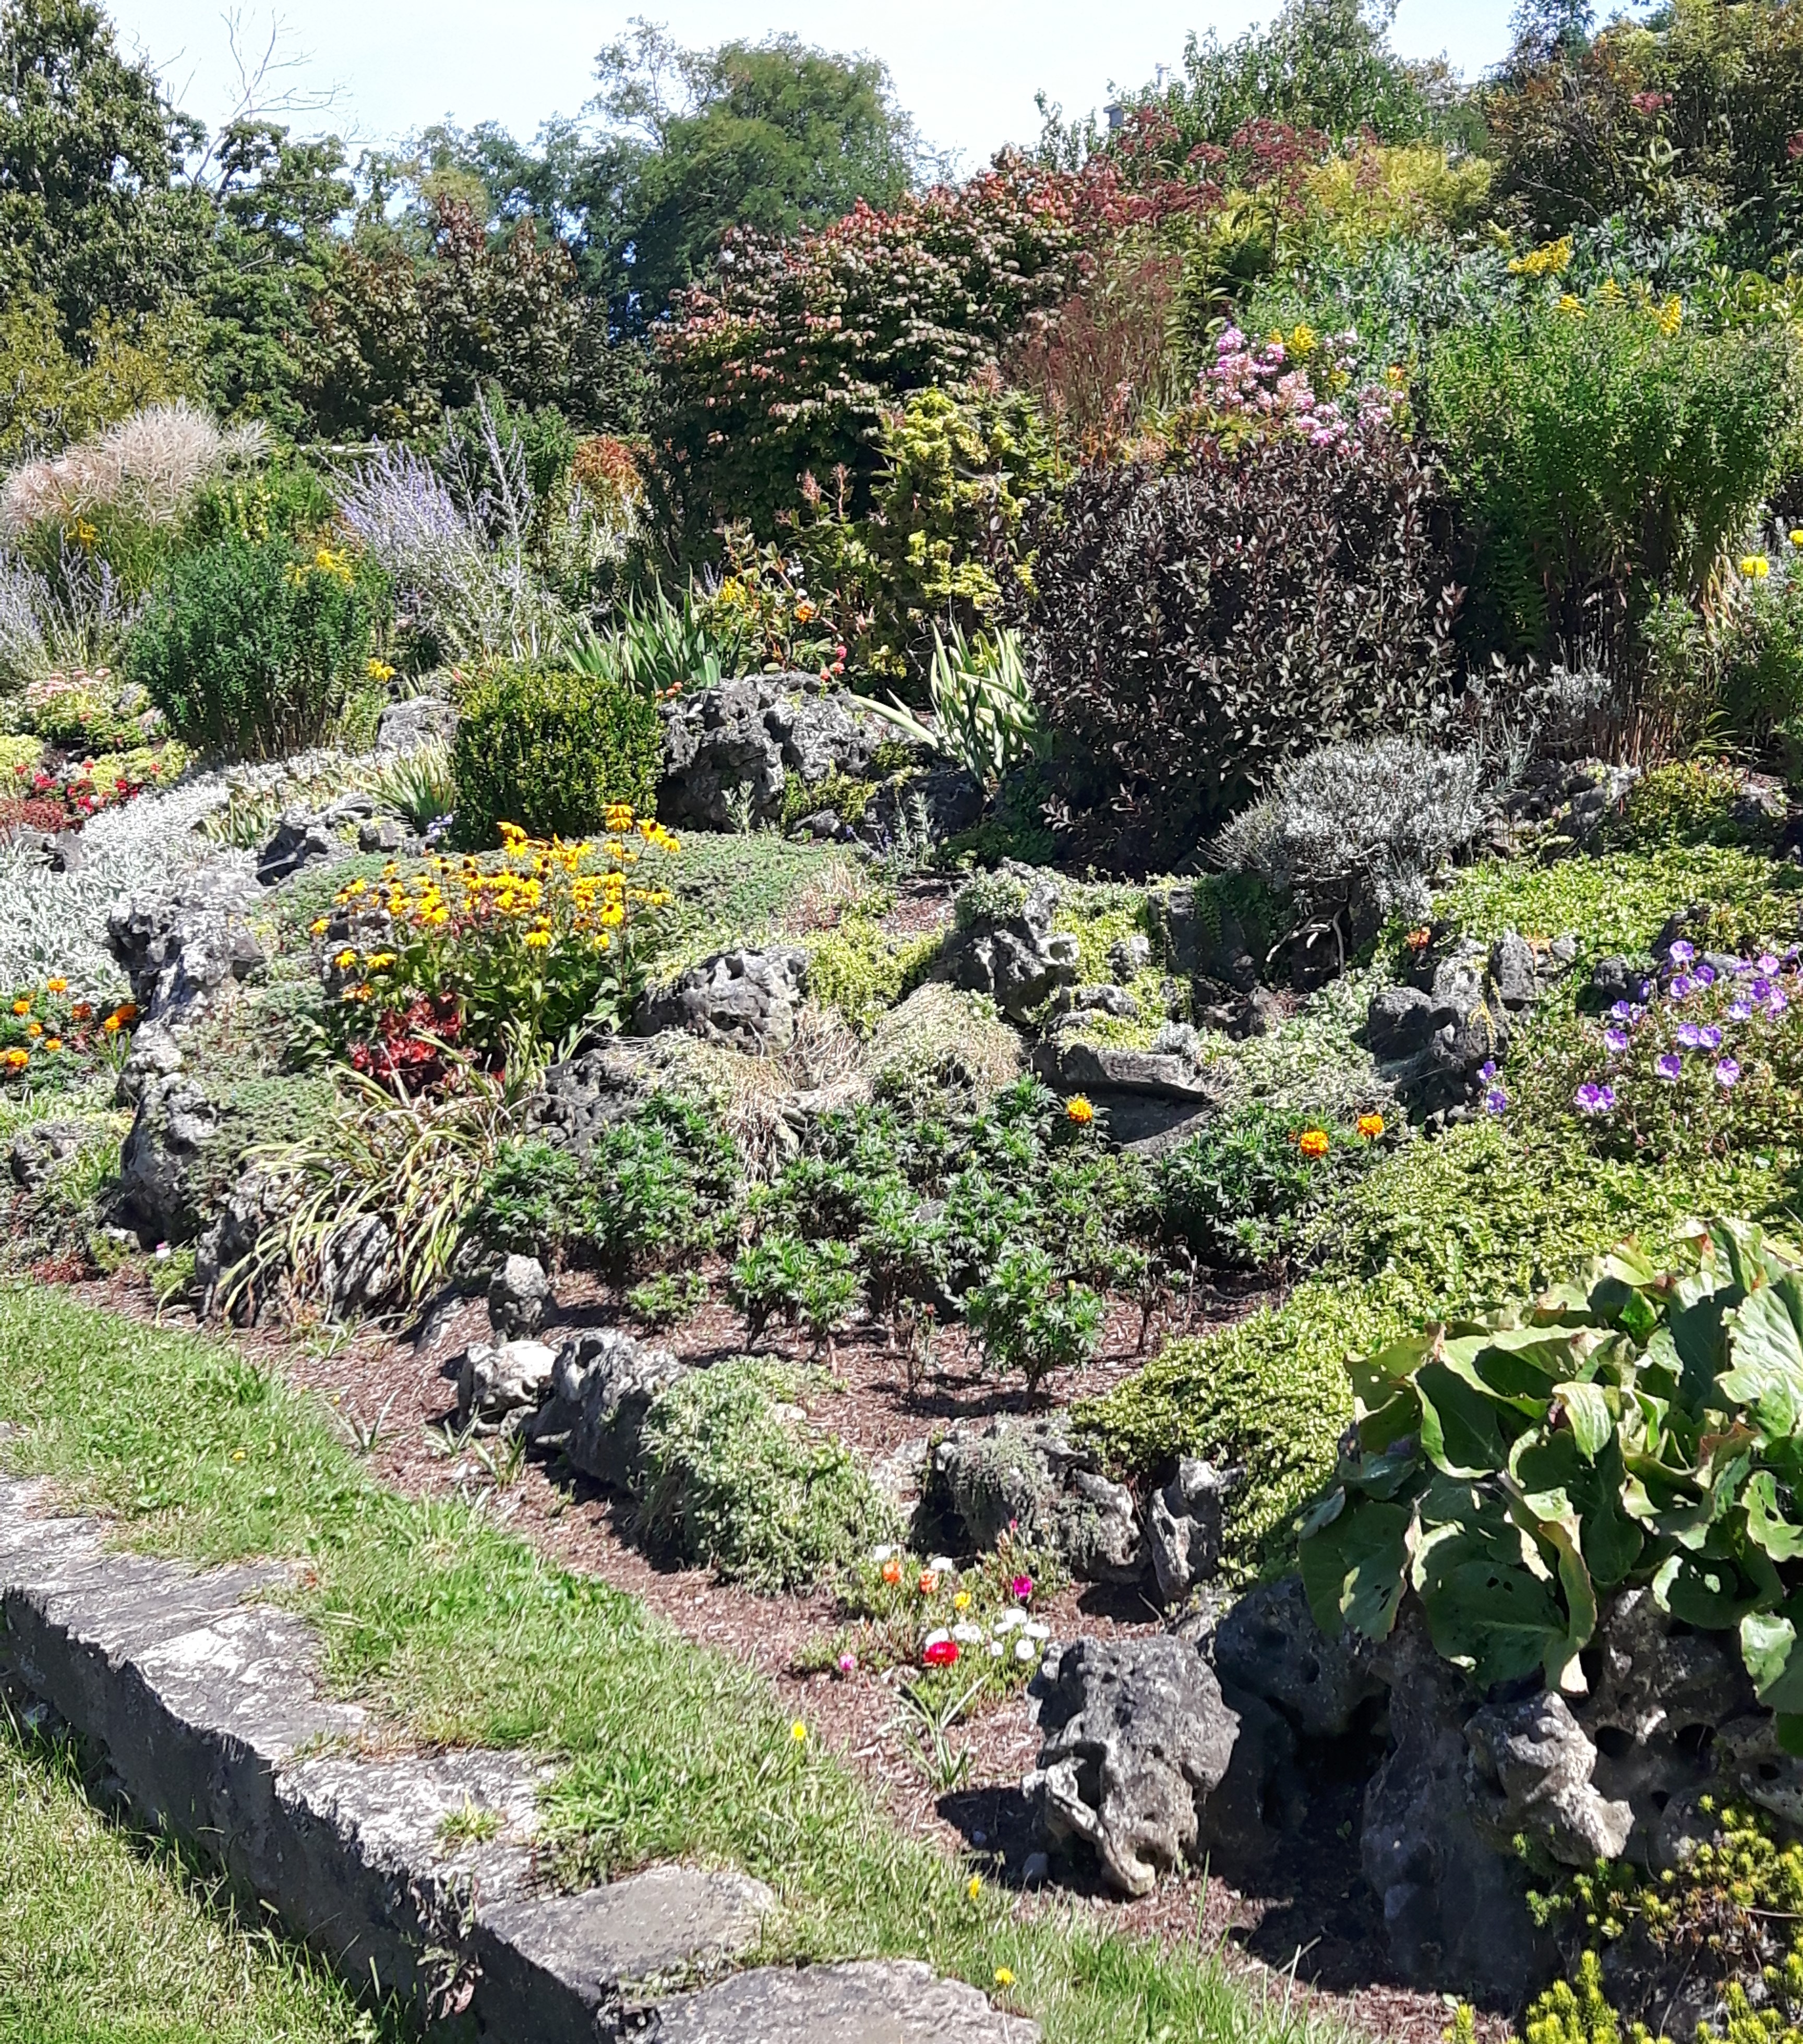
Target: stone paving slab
(208, 1703)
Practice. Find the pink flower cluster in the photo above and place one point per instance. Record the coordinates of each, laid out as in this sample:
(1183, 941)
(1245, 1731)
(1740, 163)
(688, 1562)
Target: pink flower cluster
(1254, 382)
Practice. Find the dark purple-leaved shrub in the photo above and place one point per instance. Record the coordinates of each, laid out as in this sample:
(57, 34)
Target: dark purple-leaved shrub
(1197, 621)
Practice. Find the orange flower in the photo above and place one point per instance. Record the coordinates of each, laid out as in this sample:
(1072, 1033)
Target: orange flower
(1079, 1110)
(892, 1571)
(1313, 1142)
(1418, 940)
(1371, 1126)
(929, 1582)
(17, 1060)
(21, 1008)
(82, 1010)
(53, 1042)
(127, 1011)
(56, 986)
(111, 1025)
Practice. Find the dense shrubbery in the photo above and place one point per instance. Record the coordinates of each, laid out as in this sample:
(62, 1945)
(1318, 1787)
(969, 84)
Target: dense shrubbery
(1199, 622)
(552, 749)
(256, 648)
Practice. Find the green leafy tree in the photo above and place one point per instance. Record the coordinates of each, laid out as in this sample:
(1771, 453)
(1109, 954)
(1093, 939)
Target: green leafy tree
(90, 208)
(771, 135)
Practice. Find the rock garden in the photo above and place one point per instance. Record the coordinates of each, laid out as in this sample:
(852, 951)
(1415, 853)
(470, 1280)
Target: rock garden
(982, 1148)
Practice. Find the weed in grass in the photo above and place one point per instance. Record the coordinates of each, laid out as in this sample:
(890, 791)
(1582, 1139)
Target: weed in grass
(472, 1825)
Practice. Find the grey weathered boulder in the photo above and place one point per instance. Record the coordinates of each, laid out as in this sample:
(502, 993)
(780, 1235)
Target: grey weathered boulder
(1017, 959)
(1202, 941)
(154, 1054)
(1074, 1064)
(179, 948)
(867, 2001)
(982, 1478)
(305, 838)
(40, 1146)
(165, 1163)
(404, 727)
(733, 748)
(745, 999)
(588, 1093)
(1183, 1526)
(944, 797)
(1529, 1777)
(251, 1206)
(602, 1384)
(1136, 1736)
(519, 1297)
(1270, 1646)
(358, 1268)
(1454, 1909)
(495, 1379)
(1616, 978)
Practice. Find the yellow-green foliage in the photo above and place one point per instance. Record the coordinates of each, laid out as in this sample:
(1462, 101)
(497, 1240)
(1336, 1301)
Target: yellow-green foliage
(18, 751)
(859, 968)
(1685, 798)
(48, 398)
(1579, 2013)
(1410, 190)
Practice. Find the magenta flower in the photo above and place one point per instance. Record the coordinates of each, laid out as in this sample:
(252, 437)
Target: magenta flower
(1021, 1589)
(847, 1664)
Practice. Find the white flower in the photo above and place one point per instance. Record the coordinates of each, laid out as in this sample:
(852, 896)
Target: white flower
(1011, 1619)
(995, 1649)
(941, 1565)
(884, 1553)
(1036, 1631)
(968, 1635)
(1024, 1649)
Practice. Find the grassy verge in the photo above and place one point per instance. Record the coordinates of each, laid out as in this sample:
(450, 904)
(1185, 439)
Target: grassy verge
(106, 1939)
(666, 1750)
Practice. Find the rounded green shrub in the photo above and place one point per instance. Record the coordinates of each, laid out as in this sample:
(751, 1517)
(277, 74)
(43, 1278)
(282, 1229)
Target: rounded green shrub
(550, 750)
(254, 647)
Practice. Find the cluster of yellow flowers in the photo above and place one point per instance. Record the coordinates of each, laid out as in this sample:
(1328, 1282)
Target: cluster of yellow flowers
(326, 561)
(545, 890)
(1667, 314)
(1548, 261)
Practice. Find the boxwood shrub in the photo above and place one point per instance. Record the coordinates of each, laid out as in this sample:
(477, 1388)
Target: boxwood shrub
(550, 750)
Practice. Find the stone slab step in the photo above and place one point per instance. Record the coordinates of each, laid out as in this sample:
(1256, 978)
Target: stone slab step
(418, 1869)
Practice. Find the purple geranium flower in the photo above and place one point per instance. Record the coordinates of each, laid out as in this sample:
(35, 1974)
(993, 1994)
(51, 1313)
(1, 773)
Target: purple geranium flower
(1759, 986)
(1621, 1012)
(1495, 1100)
(1670, 1066)
(1767, 962)
(1615, 1041)
(1487, 1069)
(1690, 1035)
(1710, 1037)
(1740, 1011)
(1777, 1001)
(1680, 987)
(1593, 1099)
(1682, 951)
(1728, 1073)
(1704, 975)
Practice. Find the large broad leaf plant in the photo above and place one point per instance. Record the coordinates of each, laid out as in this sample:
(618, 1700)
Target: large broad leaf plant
(1636, 1427)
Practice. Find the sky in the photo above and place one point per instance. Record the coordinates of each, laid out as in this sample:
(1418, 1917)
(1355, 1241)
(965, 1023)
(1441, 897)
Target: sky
(967, 70)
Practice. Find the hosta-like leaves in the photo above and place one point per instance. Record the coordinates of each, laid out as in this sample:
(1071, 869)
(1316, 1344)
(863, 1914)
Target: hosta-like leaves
(1641, 1427)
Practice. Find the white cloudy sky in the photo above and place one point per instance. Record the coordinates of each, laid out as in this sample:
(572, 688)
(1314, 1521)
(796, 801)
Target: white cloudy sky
(966, 69)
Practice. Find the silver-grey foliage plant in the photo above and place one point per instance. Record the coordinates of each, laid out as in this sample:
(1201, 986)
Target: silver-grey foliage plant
(1374, 816)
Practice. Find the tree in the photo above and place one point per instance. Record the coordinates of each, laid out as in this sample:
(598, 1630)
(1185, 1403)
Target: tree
(772, 136)
(1324, 64)
(90, 149)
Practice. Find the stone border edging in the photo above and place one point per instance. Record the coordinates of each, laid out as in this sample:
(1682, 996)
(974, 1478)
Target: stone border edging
(207, 1706)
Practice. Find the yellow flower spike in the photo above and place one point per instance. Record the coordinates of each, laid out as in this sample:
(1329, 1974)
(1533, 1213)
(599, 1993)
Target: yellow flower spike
(798, 1732)
(974, 1887)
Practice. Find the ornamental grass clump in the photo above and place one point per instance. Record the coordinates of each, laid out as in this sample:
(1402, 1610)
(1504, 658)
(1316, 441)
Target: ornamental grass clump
(1511, 1471)
(511, 954)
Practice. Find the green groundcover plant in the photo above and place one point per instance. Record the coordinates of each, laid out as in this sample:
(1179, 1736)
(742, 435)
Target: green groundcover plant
(1637, 1426)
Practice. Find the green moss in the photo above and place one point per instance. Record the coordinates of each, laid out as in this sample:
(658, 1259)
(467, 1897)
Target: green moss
(844, 794)
(1615, 903)
(859, 969)
(1475, 1215)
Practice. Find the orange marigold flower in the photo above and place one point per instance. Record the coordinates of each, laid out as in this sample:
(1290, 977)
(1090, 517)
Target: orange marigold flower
(17, 1060)
(53, 1042)
(892, 1571)
(1370, 1126)
(56, 986)
(21, 1008)
(929, 1582)
(111, 1025)
(1079, 1110)
(1313, 1142)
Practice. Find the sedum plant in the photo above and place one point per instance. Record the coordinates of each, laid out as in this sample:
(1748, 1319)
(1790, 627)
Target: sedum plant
(1635, 1427)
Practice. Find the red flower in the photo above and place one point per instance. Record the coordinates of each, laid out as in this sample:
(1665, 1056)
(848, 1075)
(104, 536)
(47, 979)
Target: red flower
(939, 1651)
